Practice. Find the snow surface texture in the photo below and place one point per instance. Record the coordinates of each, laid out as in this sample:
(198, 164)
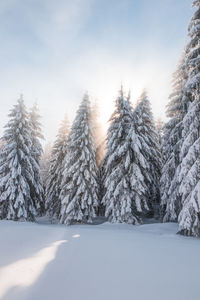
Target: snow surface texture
(102, 262)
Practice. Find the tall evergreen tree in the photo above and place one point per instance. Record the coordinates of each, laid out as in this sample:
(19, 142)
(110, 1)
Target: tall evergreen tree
(37, 191)
(56, 169)
(189, 218)
(189, 176)
(172, 140)
(150, 150)
(124, 184)
(79, 194)
(16, 167)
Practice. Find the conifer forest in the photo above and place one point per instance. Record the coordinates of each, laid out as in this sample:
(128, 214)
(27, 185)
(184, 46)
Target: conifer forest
(105, 215)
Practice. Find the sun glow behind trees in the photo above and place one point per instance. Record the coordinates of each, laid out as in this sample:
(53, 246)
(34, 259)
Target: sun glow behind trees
(101, 75)
(103, 86)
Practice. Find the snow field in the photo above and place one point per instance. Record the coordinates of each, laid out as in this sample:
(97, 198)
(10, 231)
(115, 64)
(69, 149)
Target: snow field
(101, 262)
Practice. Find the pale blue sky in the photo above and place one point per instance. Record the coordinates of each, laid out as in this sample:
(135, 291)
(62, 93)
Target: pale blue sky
(53, 51)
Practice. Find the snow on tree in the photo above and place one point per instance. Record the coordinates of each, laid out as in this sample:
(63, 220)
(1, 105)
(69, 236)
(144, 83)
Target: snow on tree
(150, 149)
(55, 174)
(159, 129)
(189, 216)
(16, 167)
(172, 140)
(45, 163)
(193, 54)
(101, 179)
(1, 144)
(37, 191)
(189, 176)
(124, 184)
(79, 194)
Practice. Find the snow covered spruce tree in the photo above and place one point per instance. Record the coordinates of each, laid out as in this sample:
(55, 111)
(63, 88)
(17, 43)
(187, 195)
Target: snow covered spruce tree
(56, 169)
(189, 218)
(172, 141)
(189, 176)
(150, 150)
(16, 167)
(79, 194)
(125, 189)
(37, 191)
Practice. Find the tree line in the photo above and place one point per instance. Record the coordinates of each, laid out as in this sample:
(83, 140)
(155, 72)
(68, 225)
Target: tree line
(146, 171)
(80, 183)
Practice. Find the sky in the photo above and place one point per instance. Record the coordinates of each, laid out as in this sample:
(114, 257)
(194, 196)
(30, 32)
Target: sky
(53, 51)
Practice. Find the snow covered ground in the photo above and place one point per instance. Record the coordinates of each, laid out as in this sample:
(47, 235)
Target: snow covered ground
(102, 262)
